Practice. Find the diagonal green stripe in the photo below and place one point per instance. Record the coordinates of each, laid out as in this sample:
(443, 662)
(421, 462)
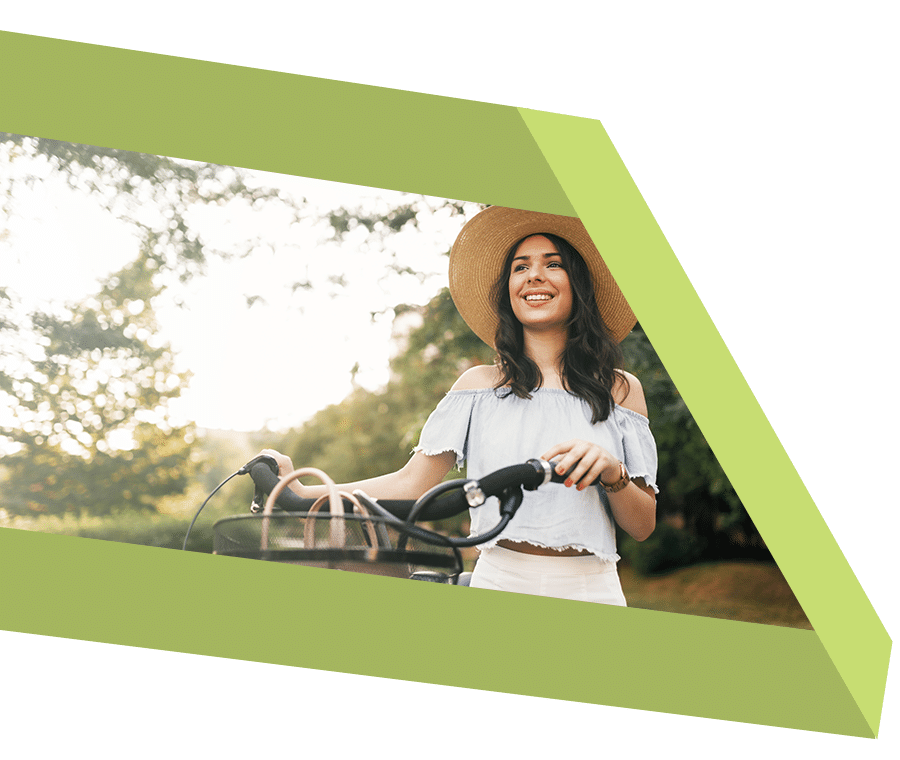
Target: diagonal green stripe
(607, 200)
(277, 122)
(329, 620)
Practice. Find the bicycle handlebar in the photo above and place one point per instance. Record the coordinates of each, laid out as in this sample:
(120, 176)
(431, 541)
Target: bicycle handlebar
(443, 501)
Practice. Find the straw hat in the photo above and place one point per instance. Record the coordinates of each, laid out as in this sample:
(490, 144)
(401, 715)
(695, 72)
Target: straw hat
(478, 255)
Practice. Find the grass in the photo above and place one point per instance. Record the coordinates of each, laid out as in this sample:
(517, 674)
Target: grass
(147, 529)
(748, 591)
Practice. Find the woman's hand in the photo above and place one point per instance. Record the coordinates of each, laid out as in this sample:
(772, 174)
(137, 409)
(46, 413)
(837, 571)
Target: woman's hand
(590, 461)
(633, 507)
(285, 467)
(284, 462)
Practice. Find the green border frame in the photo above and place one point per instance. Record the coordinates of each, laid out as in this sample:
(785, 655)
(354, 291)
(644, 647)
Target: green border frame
(829, 680)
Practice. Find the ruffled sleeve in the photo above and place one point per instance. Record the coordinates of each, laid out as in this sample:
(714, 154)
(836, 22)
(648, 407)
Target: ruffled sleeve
(639, 447)
(447, 428)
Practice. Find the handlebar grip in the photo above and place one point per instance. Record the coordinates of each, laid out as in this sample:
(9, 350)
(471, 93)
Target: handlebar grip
(557, 478)
(441, 508)
(266, 480)
(529, 475)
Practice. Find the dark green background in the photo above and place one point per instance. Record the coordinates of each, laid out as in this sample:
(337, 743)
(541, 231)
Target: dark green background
(759, 135)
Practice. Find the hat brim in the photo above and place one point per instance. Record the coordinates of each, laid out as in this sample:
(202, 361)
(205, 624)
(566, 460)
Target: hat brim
(480, 250)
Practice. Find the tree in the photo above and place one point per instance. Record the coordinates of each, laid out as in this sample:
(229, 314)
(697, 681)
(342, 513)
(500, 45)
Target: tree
(86, 386)
(87, 397)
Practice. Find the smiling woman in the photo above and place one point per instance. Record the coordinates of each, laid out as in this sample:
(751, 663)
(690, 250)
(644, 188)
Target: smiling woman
(535, 288)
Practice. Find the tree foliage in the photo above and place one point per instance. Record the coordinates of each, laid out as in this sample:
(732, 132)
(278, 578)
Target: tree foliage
(86, 385)
(87, 396)
(155, 194)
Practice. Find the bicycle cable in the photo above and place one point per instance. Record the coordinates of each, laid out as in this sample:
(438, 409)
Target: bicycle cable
(241, 471)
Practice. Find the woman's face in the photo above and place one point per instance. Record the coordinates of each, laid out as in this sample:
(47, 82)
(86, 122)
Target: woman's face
(539, 287)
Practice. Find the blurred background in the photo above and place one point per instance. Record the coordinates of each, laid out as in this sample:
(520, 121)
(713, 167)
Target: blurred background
(162, 320)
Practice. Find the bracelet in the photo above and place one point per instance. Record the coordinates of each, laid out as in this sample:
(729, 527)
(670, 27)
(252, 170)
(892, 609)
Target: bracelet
(623, 480)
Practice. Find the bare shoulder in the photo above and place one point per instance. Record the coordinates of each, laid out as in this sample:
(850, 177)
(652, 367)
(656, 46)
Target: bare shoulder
(476, 378)
(630, 394)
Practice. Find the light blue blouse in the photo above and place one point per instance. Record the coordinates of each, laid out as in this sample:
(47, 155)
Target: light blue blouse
(488, 431)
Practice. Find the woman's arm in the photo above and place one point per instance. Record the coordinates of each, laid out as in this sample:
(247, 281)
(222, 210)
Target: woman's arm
(634, 509)
(418, 475)
(421, 473)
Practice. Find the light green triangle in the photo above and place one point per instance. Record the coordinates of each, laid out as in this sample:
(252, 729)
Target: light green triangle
(606, 199)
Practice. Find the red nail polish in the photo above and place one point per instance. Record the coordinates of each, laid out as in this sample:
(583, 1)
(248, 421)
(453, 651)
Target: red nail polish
(569, 483)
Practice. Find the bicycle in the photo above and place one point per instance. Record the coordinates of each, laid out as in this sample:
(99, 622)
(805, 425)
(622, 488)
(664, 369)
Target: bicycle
(365, 534)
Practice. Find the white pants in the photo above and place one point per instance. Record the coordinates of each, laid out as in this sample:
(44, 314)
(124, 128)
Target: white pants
(585, 578)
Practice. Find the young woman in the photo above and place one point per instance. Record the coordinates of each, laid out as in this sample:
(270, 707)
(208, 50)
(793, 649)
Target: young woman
(535, 288)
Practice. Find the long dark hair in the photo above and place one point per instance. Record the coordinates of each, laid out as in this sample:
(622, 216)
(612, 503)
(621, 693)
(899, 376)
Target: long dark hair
(591, 360)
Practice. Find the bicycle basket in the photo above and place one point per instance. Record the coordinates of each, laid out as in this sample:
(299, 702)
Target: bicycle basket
(363, 543)
(356, 541)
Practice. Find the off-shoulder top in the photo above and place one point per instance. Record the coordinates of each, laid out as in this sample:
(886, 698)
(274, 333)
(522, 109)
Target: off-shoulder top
(488, 430)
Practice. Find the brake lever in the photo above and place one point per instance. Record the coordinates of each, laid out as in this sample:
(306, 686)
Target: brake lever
(259, 496)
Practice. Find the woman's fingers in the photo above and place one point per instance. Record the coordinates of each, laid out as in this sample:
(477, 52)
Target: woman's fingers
(566, 458)
(588, 469)
(565, 451)
(587, 459)
(285, 467)
(580, 476)
(284, 462)
(579, 460)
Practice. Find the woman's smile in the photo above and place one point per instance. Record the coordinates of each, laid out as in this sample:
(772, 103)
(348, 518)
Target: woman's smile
(538, 298)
